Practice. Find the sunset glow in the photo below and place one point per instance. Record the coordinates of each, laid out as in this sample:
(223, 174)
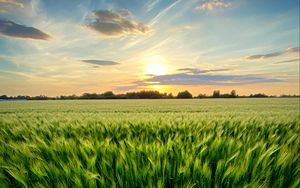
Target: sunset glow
(156, 69)
(72, 47)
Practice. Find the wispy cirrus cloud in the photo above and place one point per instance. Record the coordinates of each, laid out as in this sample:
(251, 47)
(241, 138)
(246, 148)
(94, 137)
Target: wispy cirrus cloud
(199, 71)
(151, 4)
(295, 50)
(210, 5)
(127, 88)
(11, 3)
(100, 62)
(265, 56)
(12, 29)
(118, 23)
(163, 12)
(287, 61)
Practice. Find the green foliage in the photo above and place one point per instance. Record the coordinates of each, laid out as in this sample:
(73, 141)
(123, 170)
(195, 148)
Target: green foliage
(184, 95)
(150, 143)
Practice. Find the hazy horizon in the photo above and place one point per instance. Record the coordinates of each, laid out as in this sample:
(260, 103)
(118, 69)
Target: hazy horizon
(73, 47)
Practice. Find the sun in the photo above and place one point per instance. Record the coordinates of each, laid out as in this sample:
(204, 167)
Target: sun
(156, 65)
(156, 69)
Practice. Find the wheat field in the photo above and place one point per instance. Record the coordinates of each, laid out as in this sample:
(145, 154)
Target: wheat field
(150, 143)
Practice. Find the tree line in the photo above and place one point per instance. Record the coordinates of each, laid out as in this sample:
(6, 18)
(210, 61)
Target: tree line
(150, 94)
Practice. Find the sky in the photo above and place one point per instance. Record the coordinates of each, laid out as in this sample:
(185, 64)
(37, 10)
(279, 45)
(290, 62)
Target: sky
(50, 47)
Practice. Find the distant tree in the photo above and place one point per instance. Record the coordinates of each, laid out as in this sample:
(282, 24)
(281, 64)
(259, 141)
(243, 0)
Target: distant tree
(216, 94)
(21, 97)
(201, 96)
(259, 95)
(142, 95)
(73, 97)
(131, 95)
(90, 96)
(149, 95)
(289, 96)
(164, 95)
(40, 97)
(108, 95)
(3, 97)
(233, 94)
(184, 95)
(170, 96)
(121, 96)
(70, 97)
(225, 95)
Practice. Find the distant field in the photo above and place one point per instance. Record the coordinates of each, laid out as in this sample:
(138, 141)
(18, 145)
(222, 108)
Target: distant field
(150, 143)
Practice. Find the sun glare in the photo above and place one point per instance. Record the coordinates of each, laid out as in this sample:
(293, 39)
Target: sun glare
(156, 69)
(156, 65)
(156, 87)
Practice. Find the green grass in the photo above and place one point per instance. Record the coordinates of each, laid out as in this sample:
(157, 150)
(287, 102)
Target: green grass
(150, 143)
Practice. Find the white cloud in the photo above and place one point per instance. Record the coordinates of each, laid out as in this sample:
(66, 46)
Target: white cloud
(11, 3)
(211, 5)
(151, 4)
(163, 12)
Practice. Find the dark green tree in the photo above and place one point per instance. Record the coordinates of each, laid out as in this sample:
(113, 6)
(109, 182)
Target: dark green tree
(184, 95)
(233, 94)
(216, 94)
(108, 95)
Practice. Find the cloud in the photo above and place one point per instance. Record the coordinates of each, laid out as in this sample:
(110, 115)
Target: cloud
(198, 71)
(192, 76)
(211, 5)
(287, 61)
(188, 76)
(163, 12)
(100, 62)
(295, 50)
(199, 79)
(151, 4)
(126, 88)
(12, 29)
(264, 56)
(13, 3)
(117, 23)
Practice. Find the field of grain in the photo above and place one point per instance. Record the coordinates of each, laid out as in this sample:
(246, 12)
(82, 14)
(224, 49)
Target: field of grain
(150, 143)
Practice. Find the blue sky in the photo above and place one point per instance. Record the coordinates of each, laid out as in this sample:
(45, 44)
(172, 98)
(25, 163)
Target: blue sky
(70, 47)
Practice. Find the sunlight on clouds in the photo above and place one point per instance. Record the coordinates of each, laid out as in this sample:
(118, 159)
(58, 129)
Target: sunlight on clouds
(159, 88)
(155, 45)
